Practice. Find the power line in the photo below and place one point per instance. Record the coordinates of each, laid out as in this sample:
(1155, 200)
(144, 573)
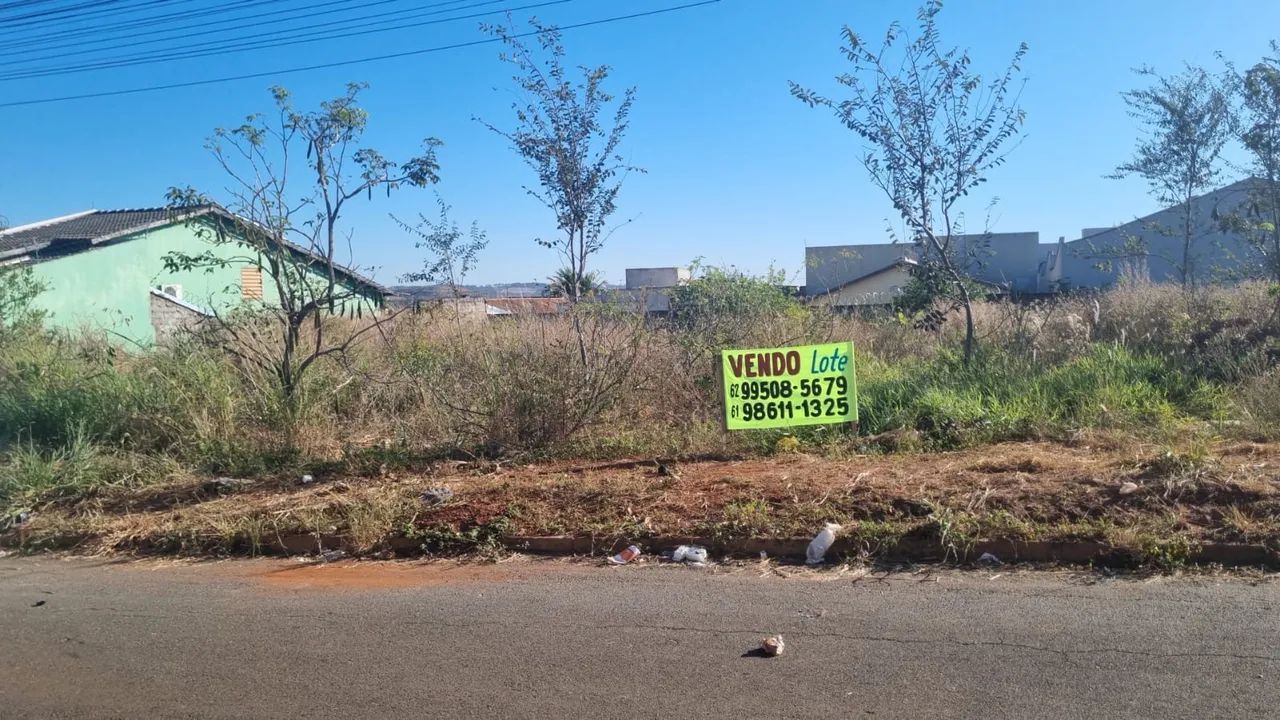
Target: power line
(357, 61)
(23, 3)
(167, 56)
(203, 31)
(129, 29)
(100, 22)
(62, 10)
(106, 7)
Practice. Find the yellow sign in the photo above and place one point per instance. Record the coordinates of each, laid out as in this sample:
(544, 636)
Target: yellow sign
(782, 387)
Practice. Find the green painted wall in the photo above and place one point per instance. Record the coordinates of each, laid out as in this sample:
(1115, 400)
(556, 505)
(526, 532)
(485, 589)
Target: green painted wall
(108, 287)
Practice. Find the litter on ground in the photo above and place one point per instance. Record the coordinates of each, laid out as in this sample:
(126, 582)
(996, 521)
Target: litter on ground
(626, 556)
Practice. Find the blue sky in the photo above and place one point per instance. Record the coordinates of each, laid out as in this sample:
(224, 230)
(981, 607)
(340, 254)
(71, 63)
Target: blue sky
(738, 172)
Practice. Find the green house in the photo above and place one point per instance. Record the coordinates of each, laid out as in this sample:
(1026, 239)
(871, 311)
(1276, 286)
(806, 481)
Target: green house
(104, 270)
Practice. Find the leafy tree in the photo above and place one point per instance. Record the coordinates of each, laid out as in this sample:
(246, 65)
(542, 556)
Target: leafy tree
(451, 253)
(291, 177)
(1258, 219)
(562, 283)
(565, 134)
(934, 129)
(1187, 120)
(718, 306)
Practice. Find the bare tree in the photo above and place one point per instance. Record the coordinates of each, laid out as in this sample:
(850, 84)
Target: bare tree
(291, 178)
(1187, 120)
(452, 254)
(934, 129)
(564, 133)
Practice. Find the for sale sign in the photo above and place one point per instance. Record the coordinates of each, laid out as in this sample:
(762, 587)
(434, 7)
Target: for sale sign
(782, 387)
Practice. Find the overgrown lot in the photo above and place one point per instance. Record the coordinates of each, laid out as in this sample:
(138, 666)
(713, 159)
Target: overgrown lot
(1175, 391)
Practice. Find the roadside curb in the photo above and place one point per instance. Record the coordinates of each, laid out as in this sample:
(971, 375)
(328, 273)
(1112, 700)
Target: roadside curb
(911, 550)
(904, 550)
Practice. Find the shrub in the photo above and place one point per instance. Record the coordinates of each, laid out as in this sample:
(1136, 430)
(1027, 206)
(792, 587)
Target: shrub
(436, 383)
(1259, 398)
(51, 386)
(32, 476)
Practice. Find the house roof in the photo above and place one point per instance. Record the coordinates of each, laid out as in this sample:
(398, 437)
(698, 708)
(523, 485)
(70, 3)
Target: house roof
(95, 227)
(901, 262)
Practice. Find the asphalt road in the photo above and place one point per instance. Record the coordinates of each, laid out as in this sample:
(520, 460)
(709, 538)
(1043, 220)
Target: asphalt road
(544, 639)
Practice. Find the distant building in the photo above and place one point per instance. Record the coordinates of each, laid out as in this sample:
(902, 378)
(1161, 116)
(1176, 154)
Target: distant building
(508, 307)
(874, 274)
(1150, 248)
(649, 289)
(104, 270)
(878, 287)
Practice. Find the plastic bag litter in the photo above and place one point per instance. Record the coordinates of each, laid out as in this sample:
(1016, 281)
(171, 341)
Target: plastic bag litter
(695, 554)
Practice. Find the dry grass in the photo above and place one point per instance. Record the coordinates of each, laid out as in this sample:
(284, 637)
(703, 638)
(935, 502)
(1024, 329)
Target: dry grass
(1140, 384)
(1009, 491)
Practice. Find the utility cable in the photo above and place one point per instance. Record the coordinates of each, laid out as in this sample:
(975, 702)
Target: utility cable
(348, 63)
(204, 31)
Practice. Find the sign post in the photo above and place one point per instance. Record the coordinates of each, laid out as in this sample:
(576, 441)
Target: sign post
(789, 386)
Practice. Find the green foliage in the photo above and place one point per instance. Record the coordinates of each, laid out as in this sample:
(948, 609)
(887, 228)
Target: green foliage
(1259, 398)
(722, 304)
(933, 129)
(1187, 119)
(564, 134)
(31, 476)
(1002, 398)
(744, 518)
(451, 255)
(287, 221)
(52, 388)
(18, 291)
(565, 280)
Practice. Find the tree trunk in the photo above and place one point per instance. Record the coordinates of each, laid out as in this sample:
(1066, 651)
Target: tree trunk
(970, 337)
(1274, 265)
(577, 263)
(1186, 244)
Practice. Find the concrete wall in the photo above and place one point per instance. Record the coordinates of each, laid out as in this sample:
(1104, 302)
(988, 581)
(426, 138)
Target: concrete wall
(641, 278)
(1092, 262)
(652, 301)
(172, 318)
(1011, 260)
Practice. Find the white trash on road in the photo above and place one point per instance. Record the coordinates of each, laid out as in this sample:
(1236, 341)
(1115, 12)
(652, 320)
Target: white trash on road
(695, 554)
